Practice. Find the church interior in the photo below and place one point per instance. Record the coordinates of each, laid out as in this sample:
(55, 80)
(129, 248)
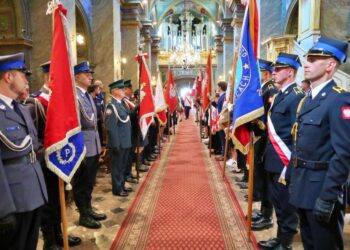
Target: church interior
(177, 35)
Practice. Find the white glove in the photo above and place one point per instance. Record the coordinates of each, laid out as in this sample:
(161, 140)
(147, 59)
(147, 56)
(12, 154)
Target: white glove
(230, 107)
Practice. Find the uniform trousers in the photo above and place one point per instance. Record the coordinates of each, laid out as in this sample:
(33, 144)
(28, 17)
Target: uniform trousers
(319, 235)
(119, 159)
(187, 111)
(84, 181)
(287, 218)
(51, 211)
(26, 233)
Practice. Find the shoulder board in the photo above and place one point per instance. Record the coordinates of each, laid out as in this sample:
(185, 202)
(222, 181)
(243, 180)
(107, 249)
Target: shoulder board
(109, 109)
(297, 91)
(338, 89)
(271, 86)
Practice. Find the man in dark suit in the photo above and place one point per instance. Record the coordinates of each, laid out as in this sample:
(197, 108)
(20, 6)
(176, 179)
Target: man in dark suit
(321, 155)
(85, 176)
(51, 213)
(281, 118)
(118, 127)
(22, 186)
(263, 220)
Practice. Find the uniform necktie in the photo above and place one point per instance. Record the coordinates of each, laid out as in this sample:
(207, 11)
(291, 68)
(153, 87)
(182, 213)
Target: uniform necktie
(88, 97)
(16, 108)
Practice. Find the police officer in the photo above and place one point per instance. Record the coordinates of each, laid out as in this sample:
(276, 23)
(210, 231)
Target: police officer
(51, 215)
(85, 177)
(22, 185)
(280, 121)
(321, 155)
(118, 127)
(263, 219)
(99, 100)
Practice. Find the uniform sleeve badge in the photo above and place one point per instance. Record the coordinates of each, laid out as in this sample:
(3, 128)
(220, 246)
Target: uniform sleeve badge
(108, 112)
(346, 113)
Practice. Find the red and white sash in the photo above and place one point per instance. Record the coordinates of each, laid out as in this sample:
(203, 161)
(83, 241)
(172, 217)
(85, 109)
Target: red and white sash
(280, 147)
(44, 98)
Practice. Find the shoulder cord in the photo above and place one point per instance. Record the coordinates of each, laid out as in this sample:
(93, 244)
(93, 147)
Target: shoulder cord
(85, 115)
(295, 130)
(117, 115)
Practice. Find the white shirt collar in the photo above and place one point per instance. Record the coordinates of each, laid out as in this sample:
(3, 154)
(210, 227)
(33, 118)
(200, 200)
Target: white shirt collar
(223, 93)
(82, 90)
(7, 100)
(285, 87)
(316, 90)
(119, 101)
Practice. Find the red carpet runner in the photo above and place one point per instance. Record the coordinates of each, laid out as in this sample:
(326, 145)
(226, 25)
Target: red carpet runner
(183, 204)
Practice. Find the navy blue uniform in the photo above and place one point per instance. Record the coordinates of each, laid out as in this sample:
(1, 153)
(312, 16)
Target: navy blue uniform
(22, 185)
(322, 162)
(282, 114)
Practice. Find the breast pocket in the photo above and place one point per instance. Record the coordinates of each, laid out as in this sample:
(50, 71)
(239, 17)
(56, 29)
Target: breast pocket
(280, 109)
(315, 121)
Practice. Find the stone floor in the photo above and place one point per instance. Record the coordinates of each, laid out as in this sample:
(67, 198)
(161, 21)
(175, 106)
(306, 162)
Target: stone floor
(116, 209)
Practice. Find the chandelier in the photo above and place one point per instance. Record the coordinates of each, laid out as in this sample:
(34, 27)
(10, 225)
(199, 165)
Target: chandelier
(184, 56)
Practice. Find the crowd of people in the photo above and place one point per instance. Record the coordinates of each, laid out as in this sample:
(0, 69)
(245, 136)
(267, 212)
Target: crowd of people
(302, 156)
(29, 189)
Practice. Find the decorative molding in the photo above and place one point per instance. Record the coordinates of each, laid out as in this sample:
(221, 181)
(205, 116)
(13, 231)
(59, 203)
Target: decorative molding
(16, 43)
(275, 45)
(218, 43)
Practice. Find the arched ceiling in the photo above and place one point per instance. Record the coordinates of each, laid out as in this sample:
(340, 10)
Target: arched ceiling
(160, 9)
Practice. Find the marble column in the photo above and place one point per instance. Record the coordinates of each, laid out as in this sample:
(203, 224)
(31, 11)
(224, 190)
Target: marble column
(70, 6)
(238, 14)
(219, 58)
(154, 56)
(227, 40)
(107, 41)
(131, 25)
(146, 31)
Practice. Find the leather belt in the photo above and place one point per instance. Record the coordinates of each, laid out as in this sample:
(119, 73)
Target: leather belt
(314, 165)
(19, 160)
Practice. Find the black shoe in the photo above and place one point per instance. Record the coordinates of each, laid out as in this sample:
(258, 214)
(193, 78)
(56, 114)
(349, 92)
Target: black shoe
(89, 222)
(151, 158)
(128, 190)
(72, 240)
(243, 185)
(130, 180)
(97, 216)
(255, 216)
(49, 239)
(122, 194)
(143, 168)
(134, 177)
(262, 224)
(241, 179)
(147, 163)
(269, 244)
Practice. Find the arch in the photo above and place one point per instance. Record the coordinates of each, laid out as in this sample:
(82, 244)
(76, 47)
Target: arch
(292, 19)
(83, 20)
(197, 2)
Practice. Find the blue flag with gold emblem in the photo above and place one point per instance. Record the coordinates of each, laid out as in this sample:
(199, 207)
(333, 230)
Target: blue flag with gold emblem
(248, 104)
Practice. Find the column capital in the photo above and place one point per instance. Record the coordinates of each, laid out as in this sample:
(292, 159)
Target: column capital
(155, 44)
(227, 29)
(146, 30)
(218, 43)
(131, 13)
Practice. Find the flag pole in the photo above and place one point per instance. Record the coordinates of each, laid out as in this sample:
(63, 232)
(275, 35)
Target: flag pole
(230, 101)
(250, 185)
(169, 123)
(200, 121)
(138, 118)
(63, 214)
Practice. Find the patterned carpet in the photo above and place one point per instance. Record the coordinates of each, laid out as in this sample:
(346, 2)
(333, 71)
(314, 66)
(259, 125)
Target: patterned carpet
(184, 203)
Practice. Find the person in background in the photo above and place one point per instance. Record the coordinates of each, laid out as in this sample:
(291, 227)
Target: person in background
(305, 86)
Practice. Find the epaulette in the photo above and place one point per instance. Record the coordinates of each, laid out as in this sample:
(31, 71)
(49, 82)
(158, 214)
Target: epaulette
(271, 86)
(35, 94)
(297, 91)
(338, 89)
